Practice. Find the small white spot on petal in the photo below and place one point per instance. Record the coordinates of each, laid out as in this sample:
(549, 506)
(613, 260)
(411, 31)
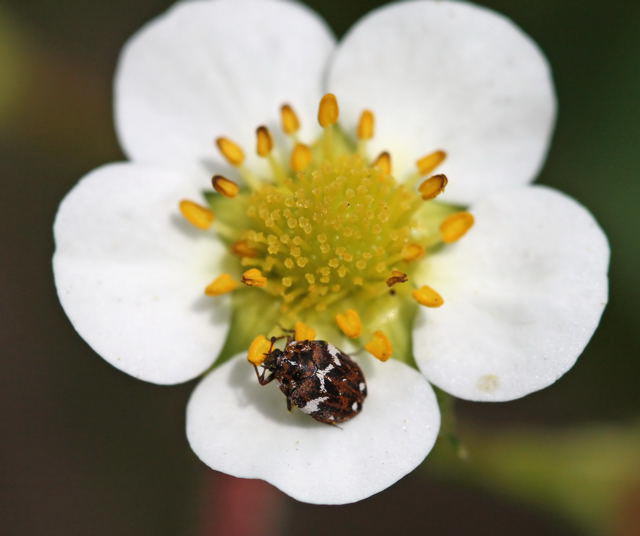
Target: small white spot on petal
(488, 383)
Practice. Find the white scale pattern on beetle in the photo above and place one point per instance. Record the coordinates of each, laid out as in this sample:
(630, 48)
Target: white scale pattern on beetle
(321, 374)
(334, 353)
(313, 405)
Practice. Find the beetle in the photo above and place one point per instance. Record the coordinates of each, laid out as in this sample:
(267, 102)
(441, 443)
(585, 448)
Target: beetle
(316, 377)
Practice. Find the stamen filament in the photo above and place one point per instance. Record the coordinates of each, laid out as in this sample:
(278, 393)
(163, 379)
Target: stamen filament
(365, 130)
(328, 113)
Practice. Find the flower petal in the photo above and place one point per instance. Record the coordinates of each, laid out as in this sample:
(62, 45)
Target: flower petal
(236, 426)
(452, 76)
(207, 69)
(130, 273)
(523, 293)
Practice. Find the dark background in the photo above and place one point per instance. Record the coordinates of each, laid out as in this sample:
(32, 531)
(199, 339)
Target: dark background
(88, 450)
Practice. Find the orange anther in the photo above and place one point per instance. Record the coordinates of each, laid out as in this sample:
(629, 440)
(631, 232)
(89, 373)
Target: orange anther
(428, 297)
(221, 285)
(197, 215)
(328, 110)
(258, 350)
(304, 332)
(290, 121)
(254, 278)
(232, 152)
(349, 323)
(455, 226)
(366, 125)
(241, 248)
(396, 277)
(379, 346)
(412, 252)
(224, 186)
(433, 187)
(428, 163)
(264, 141)
(383, 163)
(301, 157)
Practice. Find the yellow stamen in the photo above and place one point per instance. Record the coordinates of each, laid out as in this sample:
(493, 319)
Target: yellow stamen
(396, 277)
(301, 157)
(290, 121)
(221, 285)
(258, 350)
(264, 142)
(241, 248)
(428, 297)
(197, 215)
(430, 162)
(304, 332)
(411, 252)
(383, 162)
(379, 346)
(232, 152)
(254, 278)
(349, 323)
(433, 187)
(455, 226)
(328, 110)
(224, 186)
(366, 125)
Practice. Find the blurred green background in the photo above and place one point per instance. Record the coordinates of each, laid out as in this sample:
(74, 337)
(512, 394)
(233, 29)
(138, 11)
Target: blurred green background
(88, 450)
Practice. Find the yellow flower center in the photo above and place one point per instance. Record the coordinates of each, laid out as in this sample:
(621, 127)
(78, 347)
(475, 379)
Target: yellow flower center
(330, 234)
(333, 231)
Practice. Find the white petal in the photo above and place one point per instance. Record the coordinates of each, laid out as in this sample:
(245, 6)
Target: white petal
(524, 291)
(241, 428)
(130, 273)
(207, 69)
(452, 76)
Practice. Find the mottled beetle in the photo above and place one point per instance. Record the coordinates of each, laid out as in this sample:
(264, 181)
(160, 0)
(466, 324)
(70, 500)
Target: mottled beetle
(316, 377)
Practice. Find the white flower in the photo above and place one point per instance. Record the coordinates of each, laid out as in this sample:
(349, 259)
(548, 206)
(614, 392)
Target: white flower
(523, 291)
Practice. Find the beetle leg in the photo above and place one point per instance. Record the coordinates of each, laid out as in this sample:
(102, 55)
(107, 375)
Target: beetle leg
(288, 404)
(273, 341)
(261, 379)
